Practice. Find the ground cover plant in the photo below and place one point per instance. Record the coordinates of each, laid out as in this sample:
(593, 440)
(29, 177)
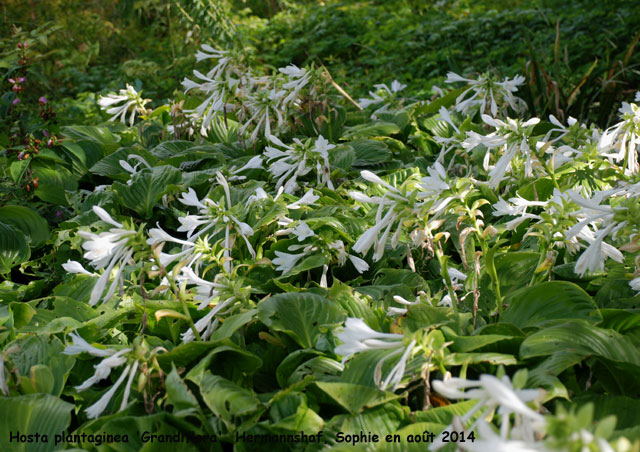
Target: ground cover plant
(262, 259)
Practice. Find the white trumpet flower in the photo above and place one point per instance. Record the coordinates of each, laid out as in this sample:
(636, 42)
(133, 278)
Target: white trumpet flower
(133, 103)
(357, 336)
(103, 369)
(79, 345)
(105, 250)
(493, 393)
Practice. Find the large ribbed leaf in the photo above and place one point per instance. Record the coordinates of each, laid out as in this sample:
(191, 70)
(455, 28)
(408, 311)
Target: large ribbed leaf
(226, 399)
(553, 300)
(372, 129)
(33, 414)
(28, 221)
(514, 270)
(14, 247)
(581, 337)
(370, 152)
(110, 165)
(147, 187)
(83, 155)
(100, 135)
(300, 315)
(354, 398)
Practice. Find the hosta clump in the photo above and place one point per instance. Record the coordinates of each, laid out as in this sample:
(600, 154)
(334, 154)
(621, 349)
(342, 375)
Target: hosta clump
(260, 290)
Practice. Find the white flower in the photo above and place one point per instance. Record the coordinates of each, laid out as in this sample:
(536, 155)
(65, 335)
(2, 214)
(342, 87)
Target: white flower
(103, 369)
(97, 408)
(493, 393)
(286, 261)
(302, 231)
(105, 249)
(206, 290)
(383, 94)
(623, 138)
(207, 324)
(190, 198)
(488, 440)
(127, 389)
(308, 199)
(486, 93)
(394, 377)
(635, 283)
(79, 345)
(132, 102)
(360, 264)
(259, 195)
(592, 259)
(357, 336)
(75, 267)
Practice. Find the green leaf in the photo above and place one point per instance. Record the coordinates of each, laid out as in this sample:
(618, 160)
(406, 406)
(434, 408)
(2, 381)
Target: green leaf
(459, 359)
(582, 338)
(626, 409)
(168, 149)
(179, 395)
(233, 361)
(184, 354)
(470, 343)
(622, 321)
(445, 414)
(445, 101)
(100, 135)
(292, 413)
(33, 350)
(300, 315)
(147, 187)
(83, 155)
(110, 165)
(16, 169)
(40, 414)
(232, 324)
(22, 313)
(371, 129)
(548, 301)
(342, 157)
(355, 398)
(370, 152)
(53, 182)
(14, 248)
(226, 399)
(514, 270)
(28, 221)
